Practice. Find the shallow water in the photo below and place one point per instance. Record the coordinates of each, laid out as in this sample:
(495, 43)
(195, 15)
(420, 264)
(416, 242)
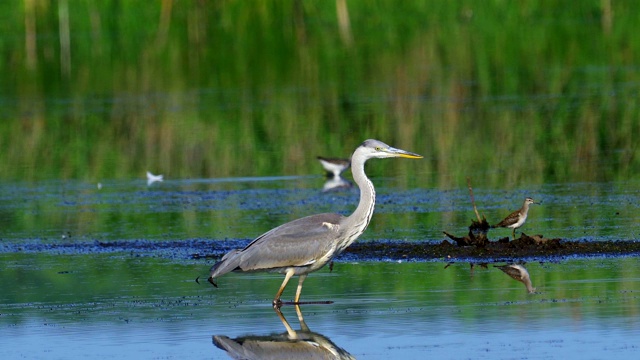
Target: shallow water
(242, 208)
(58, 302)
(585, 308)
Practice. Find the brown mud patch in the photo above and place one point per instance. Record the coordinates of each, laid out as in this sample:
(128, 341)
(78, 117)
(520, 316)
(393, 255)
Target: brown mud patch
(530, 247)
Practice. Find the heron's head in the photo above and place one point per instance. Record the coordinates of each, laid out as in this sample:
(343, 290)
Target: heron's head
(377, 149)
(530, 201)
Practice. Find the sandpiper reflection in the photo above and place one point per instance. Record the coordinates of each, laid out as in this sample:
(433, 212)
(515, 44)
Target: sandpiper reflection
(291, 344)
(519, 273)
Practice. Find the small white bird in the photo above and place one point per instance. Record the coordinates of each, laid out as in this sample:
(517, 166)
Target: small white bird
(519, 273)
(153, 178)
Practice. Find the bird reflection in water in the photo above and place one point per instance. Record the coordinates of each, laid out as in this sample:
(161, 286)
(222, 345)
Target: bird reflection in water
(519, 273)
(291, 344)
(336, 183)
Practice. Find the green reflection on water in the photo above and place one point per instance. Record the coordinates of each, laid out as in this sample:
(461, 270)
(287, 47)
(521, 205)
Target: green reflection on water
(112, 287)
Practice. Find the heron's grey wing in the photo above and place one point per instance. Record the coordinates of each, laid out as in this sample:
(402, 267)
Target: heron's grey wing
(297, 243)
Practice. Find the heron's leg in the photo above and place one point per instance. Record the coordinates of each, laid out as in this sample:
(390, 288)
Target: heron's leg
(303, 325)
(287, 276)
(292, 334)
(299, 290)
(514, 233)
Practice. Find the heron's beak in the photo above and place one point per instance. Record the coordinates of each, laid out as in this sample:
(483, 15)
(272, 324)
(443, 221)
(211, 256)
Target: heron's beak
(402, 153)
(210, 279)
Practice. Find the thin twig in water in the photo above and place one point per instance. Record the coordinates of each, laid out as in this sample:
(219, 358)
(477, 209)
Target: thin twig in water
(473, 201)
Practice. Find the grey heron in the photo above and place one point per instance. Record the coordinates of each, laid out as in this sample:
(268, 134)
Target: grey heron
(519, 273)
(305, 245)
(517, 218)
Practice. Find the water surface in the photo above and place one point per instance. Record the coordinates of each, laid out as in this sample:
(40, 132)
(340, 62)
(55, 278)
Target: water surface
(152, 307)
(144, 302)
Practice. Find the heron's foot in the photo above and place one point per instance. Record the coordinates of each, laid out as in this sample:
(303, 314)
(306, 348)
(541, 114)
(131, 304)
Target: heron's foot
(210, 279)
(277, 304)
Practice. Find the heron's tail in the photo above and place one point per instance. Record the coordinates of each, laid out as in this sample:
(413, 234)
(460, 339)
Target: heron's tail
(228, 263)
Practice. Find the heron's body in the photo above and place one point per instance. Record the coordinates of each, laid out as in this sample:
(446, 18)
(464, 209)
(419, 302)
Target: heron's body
(300, 247)
(517, 218)
(334, 167)
(519, 273)
(307, 244)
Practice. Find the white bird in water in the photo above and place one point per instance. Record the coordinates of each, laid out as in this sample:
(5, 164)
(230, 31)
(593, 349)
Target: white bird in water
(153, 178)
(305, 245)
(519, 273)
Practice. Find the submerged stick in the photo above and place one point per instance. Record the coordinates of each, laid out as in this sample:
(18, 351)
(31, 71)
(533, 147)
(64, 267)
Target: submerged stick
(473, 201)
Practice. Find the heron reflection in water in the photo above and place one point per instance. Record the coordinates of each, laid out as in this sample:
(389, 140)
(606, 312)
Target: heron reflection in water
(302, 344)
(305, 245)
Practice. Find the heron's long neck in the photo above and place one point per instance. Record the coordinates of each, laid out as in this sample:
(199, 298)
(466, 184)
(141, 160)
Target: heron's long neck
(357, 222)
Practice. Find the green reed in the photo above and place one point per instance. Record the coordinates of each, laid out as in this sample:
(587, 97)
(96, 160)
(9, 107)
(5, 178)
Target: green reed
(506, 92)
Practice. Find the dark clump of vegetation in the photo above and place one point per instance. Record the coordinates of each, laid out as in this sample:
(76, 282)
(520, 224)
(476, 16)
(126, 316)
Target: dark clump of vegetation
(477, 234)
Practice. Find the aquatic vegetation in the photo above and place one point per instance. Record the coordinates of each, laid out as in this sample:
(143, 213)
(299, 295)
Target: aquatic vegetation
(510, 93)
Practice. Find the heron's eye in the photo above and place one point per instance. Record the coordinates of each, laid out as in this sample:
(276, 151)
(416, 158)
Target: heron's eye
(378, 148)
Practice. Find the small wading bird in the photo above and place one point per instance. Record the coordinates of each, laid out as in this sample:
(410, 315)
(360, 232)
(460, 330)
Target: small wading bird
(307, 244)
(517, 218)
(334, 167)
(518, 272)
